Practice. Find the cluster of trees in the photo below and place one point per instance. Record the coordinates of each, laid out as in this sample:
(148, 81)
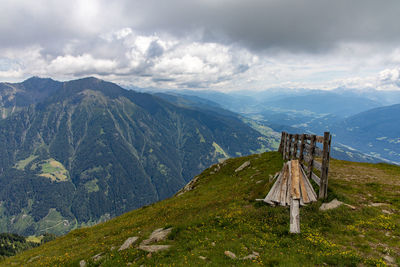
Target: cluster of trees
(11, 244)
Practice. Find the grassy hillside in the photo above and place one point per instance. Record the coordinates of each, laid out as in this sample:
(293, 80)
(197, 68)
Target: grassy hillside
(220, 215)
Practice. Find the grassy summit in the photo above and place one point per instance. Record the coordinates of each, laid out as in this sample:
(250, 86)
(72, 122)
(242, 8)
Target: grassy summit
(220, 215)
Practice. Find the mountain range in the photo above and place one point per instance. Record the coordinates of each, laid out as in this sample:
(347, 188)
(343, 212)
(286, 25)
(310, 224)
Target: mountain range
(78, 152)
(363, 122)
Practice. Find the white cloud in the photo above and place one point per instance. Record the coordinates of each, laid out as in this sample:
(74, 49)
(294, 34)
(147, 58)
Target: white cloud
(80, 65)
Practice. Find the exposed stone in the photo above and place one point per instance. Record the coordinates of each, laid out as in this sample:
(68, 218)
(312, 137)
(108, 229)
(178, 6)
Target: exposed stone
(97, 257)
(378, 204)
(331, 205)
(244, 165)
(128, 242)
(252, 256)
(33, 258)
(154, 248)
(389, 259)
(82, 263)
(112, 248)
(350, 206)
(387, 212)
(260, 181)
(157, 235)
(230, 254)
(188, 187)
(202, 258)
(213, 244)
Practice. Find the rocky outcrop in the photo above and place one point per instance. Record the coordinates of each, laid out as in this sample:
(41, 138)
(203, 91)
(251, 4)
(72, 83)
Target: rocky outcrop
(128, 242)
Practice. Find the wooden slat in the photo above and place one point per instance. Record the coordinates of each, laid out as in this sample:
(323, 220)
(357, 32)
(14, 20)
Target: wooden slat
(288, 193)
(295, 216)
(318, 152)
(283, 190)
(307, 158)
(301, 147)
(304, 194)
(317, 165)
(323, 193)
(307, 147)
(316, 179)
(310, 190)
(276, 195)
(268, 198)
(295, 177)
(295, 146)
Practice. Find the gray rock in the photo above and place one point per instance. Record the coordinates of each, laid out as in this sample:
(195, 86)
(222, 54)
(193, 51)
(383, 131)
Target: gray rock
(331, 205)
(387, 212)
(389, 259)
(97, 257)
(252, 256)
(243, 166)
(82, 263)
(157, 235)
(188, 187)
(128, 242)
(230, 254)
(202, 258)
(378, 204)
(154, 248)
(33, 258)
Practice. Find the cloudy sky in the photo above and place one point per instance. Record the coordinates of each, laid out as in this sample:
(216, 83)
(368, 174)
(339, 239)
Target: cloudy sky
(204, 44)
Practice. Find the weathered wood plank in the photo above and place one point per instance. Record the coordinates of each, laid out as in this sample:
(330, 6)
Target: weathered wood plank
(318, 152)
(276, 196)
(307, 158)
(295, 145)
(310, 190)
(295, 216)
(283, 190)
(308, 147)
(317, 165)
(288, 192)
(310, 162)
(301, 147)
(316, 179)
(323, 189)
(268, 199)
(295, 177)
(304, 194)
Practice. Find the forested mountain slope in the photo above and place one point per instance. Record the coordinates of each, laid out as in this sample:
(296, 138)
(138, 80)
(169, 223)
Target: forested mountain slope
(91, 150)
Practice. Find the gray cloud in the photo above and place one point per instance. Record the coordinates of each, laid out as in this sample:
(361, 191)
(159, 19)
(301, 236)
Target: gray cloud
(305, 25)
(297, 25)
(224, 44)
